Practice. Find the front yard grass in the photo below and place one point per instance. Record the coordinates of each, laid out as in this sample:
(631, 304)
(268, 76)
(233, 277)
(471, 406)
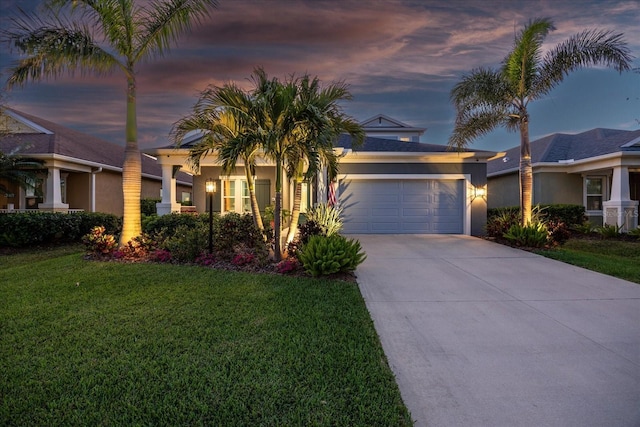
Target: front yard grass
(616, 258)
(106, 343)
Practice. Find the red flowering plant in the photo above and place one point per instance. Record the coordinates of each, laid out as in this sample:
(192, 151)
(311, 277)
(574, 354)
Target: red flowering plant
(99, 243)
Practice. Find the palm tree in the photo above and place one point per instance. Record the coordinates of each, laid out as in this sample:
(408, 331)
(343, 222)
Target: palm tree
(225, 115)
(101, 36)
(276, 121)
(320, 124)
(486, 98)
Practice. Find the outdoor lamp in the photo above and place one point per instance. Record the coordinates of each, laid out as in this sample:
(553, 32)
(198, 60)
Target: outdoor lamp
(210, 188)
(479, 192)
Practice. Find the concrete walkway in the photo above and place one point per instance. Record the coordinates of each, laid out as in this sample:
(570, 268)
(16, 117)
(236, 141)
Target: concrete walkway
(479, 334)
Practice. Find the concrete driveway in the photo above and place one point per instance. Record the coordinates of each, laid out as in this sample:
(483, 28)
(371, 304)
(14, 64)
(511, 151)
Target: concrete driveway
(479, 334)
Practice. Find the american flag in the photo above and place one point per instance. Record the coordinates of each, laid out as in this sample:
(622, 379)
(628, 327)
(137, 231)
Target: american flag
(331, 194)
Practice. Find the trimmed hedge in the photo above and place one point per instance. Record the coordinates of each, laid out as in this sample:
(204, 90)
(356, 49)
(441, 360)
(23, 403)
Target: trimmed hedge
(569, 214)
(34, 228)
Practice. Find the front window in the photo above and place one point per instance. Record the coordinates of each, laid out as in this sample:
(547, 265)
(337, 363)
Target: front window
(595, 186)
(235, 195)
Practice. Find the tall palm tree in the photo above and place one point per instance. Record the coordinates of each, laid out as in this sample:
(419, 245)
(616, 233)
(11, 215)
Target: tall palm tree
(320, 124)
(101, 36)
(487, 98)
(225, 114)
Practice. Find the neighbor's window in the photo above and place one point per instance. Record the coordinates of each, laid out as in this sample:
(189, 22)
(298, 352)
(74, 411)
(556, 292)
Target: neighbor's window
(595, 193)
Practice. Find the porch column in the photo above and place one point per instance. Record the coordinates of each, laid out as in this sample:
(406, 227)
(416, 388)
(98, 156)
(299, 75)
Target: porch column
(53, 199)
(321, 191)
(620, 210)
(168, 204)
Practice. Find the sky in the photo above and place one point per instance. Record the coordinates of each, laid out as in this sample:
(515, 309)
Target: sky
(400, 58)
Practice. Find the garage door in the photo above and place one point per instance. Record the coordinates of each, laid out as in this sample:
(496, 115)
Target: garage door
(396, 206)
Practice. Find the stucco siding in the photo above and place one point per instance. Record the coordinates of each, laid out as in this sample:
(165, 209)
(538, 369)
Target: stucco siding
(79, 191)
(109, 193)
(557, 188)
(503, 191)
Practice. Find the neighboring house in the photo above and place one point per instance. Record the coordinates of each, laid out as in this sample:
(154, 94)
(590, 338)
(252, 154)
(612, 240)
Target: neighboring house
(599, 169)
(386, 186)
(82, 172)
(382, 126)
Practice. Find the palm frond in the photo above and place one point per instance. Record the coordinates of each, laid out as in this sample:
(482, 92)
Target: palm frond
(164, 21)
(591, 47)
(475, 124)
(54, 46)
(520, 66)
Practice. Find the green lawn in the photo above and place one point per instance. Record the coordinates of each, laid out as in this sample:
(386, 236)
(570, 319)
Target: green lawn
(105, 343)
(612, 257)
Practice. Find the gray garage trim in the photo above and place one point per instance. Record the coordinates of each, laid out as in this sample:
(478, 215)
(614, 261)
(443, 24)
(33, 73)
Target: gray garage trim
(405, 204)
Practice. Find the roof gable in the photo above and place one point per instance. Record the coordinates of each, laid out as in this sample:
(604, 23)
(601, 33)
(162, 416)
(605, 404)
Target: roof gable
(383, 121)
(36, 136)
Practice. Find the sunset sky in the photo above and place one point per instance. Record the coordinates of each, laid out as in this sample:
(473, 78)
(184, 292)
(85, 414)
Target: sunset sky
(400, 58)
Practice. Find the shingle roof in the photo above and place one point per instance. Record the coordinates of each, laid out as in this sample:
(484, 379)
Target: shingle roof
(372, 144)
(560, 146)
(68, 142)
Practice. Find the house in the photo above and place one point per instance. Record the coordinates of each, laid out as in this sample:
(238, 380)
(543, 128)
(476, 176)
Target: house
(82, 172)
(382, 126)
(599, 169)
(386, 186)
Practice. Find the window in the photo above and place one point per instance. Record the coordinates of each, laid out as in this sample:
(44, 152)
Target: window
(235, 195)
(595, 186)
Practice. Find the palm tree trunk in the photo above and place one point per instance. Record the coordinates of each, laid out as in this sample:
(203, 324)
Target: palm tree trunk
(277, 214)
(255, 209)
(295, 212)
(131, 170)
(526, 172)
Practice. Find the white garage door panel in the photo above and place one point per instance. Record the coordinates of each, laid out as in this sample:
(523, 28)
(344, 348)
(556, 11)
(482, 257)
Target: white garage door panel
(402, 206)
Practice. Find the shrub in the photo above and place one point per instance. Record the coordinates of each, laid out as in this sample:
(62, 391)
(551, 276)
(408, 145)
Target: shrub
(243, 258)
(187, 243)
(235, 233)
(568, 214)
(587, 227)
(165, 226)
(534, 235)
(148, 206)
(558, 232)
(287, 266)
(635, 232)
(99, 243)
(305, 231)
(206, 259)
(500, 221)
(324, 255)
(609, 231)
(327, 217)
(160, 255)
(140, 247)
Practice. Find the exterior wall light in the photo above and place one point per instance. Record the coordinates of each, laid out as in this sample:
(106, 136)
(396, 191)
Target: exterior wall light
(479, 192)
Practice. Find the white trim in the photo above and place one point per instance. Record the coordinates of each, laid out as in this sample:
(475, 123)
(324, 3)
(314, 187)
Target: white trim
(631, 143)
(27, 122)
(467, 188)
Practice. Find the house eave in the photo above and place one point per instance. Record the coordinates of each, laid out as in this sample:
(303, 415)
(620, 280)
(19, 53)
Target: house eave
(629, 158)
(437, 157)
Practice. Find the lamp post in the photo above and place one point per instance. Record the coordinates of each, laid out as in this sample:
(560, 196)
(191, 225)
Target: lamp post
(210, 188)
